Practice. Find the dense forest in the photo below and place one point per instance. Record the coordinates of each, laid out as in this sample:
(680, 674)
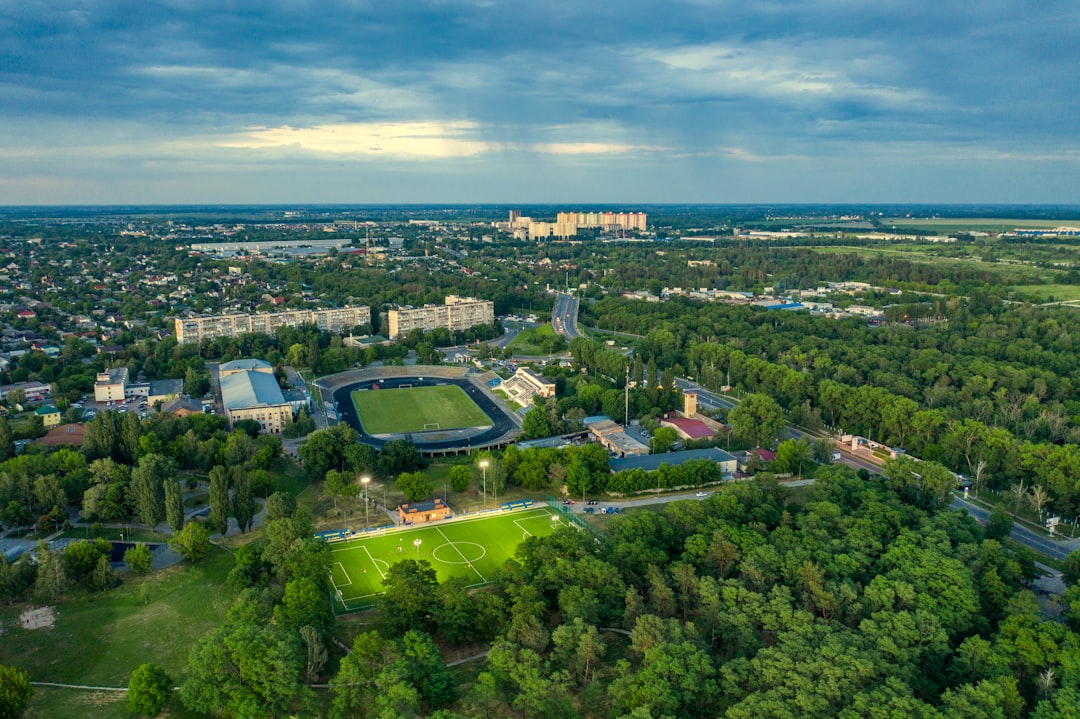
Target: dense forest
(844, 602)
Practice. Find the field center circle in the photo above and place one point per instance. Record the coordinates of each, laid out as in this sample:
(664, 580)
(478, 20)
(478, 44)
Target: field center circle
(457, 550)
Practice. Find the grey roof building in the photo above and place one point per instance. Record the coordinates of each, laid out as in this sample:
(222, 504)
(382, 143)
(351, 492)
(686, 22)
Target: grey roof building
(652, 462)
(247, 364)
(255, 395)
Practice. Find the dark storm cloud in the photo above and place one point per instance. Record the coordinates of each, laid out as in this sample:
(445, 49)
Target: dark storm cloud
(663, 82)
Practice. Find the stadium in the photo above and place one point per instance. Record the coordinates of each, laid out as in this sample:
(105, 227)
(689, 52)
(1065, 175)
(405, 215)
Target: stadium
(441, 410)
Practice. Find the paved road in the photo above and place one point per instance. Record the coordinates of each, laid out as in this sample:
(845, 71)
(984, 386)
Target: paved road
(564, 316)
(1037, 541)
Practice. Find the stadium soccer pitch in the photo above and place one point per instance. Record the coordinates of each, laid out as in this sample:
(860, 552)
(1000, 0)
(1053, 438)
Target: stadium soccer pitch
(417, 409)
(472, 548)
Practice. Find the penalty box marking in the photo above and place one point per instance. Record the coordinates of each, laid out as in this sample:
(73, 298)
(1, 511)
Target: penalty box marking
(343, 571)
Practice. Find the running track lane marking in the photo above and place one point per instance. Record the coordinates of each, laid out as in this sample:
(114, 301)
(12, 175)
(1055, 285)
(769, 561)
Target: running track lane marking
(461, 554)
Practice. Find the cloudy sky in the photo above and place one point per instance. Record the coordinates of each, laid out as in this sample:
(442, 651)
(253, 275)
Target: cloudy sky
(374, 101)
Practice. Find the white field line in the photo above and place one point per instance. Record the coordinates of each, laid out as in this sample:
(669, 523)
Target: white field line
(336, 585)
(462, 555)
(377, 569)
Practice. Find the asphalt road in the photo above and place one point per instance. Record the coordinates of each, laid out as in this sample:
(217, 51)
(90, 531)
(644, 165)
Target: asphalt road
(1041, 543)
(564, 316)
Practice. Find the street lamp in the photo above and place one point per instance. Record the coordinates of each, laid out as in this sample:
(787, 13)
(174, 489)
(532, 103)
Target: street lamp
(483, 467)
(364, 481)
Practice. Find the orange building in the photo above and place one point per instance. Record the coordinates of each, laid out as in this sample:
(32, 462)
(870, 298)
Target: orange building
(419, 512)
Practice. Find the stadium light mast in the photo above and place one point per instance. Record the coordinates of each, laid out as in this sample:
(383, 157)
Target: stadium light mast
(626, 419)
(364, 481)
(483, 468)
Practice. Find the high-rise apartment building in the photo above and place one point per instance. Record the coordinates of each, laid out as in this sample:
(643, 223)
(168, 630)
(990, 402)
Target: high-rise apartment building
(196, 329)
(459, 313)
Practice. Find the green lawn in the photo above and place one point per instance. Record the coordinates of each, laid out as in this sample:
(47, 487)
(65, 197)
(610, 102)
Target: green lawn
(1060, 293)
(416, 409)
(540, 340)
(100, 638)
(471, 548)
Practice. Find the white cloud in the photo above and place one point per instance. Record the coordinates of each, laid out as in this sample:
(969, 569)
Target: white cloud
(785, 70)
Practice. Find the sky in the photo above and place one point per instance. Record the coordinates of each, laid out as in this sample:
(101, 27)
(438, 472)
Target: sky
(553, 101)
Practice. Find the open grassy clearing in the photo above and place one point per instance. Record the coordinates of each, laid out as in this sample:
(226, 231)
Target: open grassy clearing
(100, 638)
(416, 409)
(55, 703)
(1055, 293)
(470, 548)
(536, 341)
(976, 224)
(923, 256)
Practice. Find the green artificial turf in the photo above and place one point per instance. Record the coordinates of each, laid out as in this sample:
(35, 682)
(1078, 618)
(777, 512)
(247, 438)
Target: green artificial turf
(472, 548)
(417, 409)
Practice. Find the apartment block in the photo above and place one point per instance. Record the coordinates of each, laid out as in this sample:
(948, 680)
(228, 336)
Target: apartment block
(196, 329)
(459, 313)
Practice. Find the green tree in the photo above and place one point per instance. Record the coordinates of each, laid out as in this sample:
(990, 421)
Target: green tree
(999, 524)
(193, 541)
(662, 440)
(52, 579)
(757, 419)
(426, 669)
(7, 440)
(415, 486)
(243, 503)
(1070, 566)
(218, 519)
(411, 595)
(460, 477)
(174, 505)
(147, 487)
(15, 692)
(304, 604)
(149, 689)
(247, 670)
(139, 558)
(279, 506)
(792, 455)
(535, 425)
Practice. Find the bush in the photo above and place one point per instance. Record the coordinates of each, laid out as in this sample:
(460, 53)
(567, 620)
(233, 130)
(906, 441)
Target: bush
(149, 689)
(15, 691)
(138, 558)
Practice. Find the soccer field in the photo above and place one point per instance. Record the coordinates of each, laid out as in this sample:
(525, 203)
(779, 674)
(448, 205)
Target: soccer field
(416, 409)
(470, 548)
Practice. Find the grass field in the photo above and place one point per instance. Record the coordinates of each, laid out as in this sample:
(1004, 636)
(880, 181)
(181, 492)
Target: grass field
(99, 639)
(470, 548)
(416, 409)
(540, 340)
(1060, 293)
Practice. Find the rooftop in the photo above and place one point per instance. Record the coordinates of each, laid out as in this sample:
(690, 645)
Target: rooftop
(692, 428)
(249, 363)
(652, 462)
(250, 389)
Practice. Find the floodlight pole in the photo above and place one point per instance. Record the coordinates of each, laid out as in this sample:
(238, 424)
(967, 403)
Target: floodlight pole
(364, 481)
(483, 468)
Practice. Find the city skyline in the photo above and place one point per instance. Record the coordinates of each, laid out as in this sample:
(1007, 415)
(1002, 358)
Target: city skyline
(825, 101)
